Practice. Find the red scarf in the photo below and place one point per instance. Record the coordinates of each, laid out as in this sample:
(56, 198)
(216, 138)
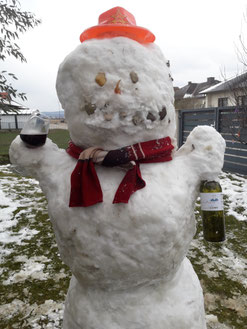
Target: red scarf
(85, 186)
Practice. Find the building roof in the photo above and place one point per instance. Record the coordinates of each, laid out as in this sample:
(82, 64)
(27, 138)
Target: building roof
(20, 112)
(13, 106)
(194, 89)
(239, 81)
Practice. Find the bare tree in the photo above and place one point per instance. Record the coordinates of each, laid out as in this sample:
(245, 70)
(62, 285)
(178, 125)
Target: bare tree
(13, 21)
(236, 120)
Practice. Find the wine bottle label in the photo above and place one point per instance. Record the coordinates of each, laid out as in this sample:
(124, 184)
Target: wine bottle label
(211, 201)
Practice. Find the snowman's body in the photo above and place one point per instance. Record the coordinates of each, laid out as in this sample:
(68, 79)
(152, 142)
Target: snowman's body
(128, 260)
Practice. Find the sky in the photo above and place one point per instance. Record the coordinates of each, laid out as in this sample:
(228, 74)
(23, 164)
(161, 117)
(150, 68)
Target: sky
(199, 38)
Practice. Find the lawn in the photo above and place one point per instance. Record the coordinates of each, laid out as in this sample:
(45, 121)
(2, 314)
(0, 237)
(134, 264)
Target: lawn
(34, 281)
(58, 136)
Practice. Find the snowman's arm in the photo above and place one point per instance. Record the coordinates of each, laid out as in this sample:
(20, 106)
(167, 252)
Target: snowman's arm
(204, 152)
(34, 161)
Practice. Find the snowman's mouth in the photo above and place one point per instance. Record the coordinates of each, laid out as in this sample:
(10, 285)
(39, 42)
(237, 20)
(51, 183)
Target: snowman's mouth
(136, 117)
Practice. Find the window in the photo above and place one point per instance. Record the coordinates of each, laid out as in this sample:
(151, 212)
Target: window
(222, 101)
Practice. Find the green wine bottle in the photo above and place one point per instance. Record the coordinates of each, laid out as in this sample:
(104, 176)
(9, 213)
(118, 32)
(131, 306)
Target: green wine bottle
(212, 211)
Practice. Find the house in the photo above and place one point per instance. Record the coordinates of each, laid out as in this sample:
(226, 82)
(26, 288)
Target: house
(15, 117)
(230, 92)
(191, 96)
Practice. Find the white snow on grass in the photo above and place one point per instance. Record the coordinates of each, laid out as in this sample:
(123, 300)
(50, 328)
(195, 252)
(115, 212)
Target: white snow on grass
(50, 310)
(21, 200)
(235, 188)
(32, 269)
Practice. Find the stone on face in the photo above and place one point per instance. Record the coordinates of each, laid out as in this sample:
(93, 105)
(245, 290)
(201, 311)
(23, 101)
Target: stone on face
(132, 79)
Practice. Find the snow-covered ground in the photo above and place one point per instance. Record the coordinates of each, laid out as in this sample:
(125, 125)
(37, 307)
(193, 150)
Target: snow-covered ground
(34, 281)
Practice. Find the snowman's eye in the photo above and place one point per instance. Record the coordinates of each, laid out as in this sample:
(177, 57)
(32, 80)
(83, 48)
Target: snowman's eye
(163, 113)
(100, 79)
(89, 108)
(134, 77)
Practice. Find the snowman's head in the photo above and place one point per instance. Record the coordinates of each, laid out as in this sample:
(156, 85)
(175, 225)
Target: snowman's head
(116, 92)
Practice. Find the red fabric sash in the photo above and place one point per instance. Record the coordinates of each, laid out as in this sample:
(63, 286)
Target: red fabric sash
(85, 186)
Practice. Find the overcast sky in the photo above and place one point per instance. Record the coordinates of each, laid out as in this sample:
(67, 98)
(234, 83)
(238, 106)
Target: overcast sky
(198, 37)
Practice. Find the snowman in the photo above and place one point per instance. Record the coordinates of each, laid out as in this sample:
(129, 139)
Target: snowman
(121, 197)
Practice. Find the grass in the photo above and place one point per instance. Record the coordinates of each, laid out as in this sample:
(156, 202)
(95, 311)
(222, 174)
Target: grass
(58, 136)
(225, 293)
(28, 301)
(216, 265)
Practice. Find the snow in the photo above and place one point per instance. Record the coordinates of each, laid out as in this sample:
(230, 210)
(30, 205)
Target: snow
(20, 201)
(236, 199)
(117, 58)
(187, 95)
(122, 254)
(226, 84)
(52, 310)
(212, 87)
(32, 269)
(23, 110)
(9, 220)
(129, 232)
(128, 261)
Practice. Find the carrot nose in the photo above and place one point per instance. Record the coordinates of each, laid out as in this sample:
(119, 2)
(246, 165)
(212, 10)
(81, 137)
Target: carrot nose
(117, 89)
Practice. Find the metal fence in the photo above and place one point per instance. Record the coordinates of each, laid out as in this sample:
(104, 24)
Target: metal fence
(230, 122)
(13, 122)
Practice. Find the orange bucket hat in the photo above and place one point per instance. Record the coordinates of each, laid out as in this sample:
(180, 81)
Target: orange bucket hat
(118, 22)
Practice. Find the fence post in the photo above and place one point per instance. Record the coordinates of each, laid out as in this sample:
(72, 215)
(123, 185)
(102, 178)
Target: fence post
(181, 127)
(216, 118)
(16, 122)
